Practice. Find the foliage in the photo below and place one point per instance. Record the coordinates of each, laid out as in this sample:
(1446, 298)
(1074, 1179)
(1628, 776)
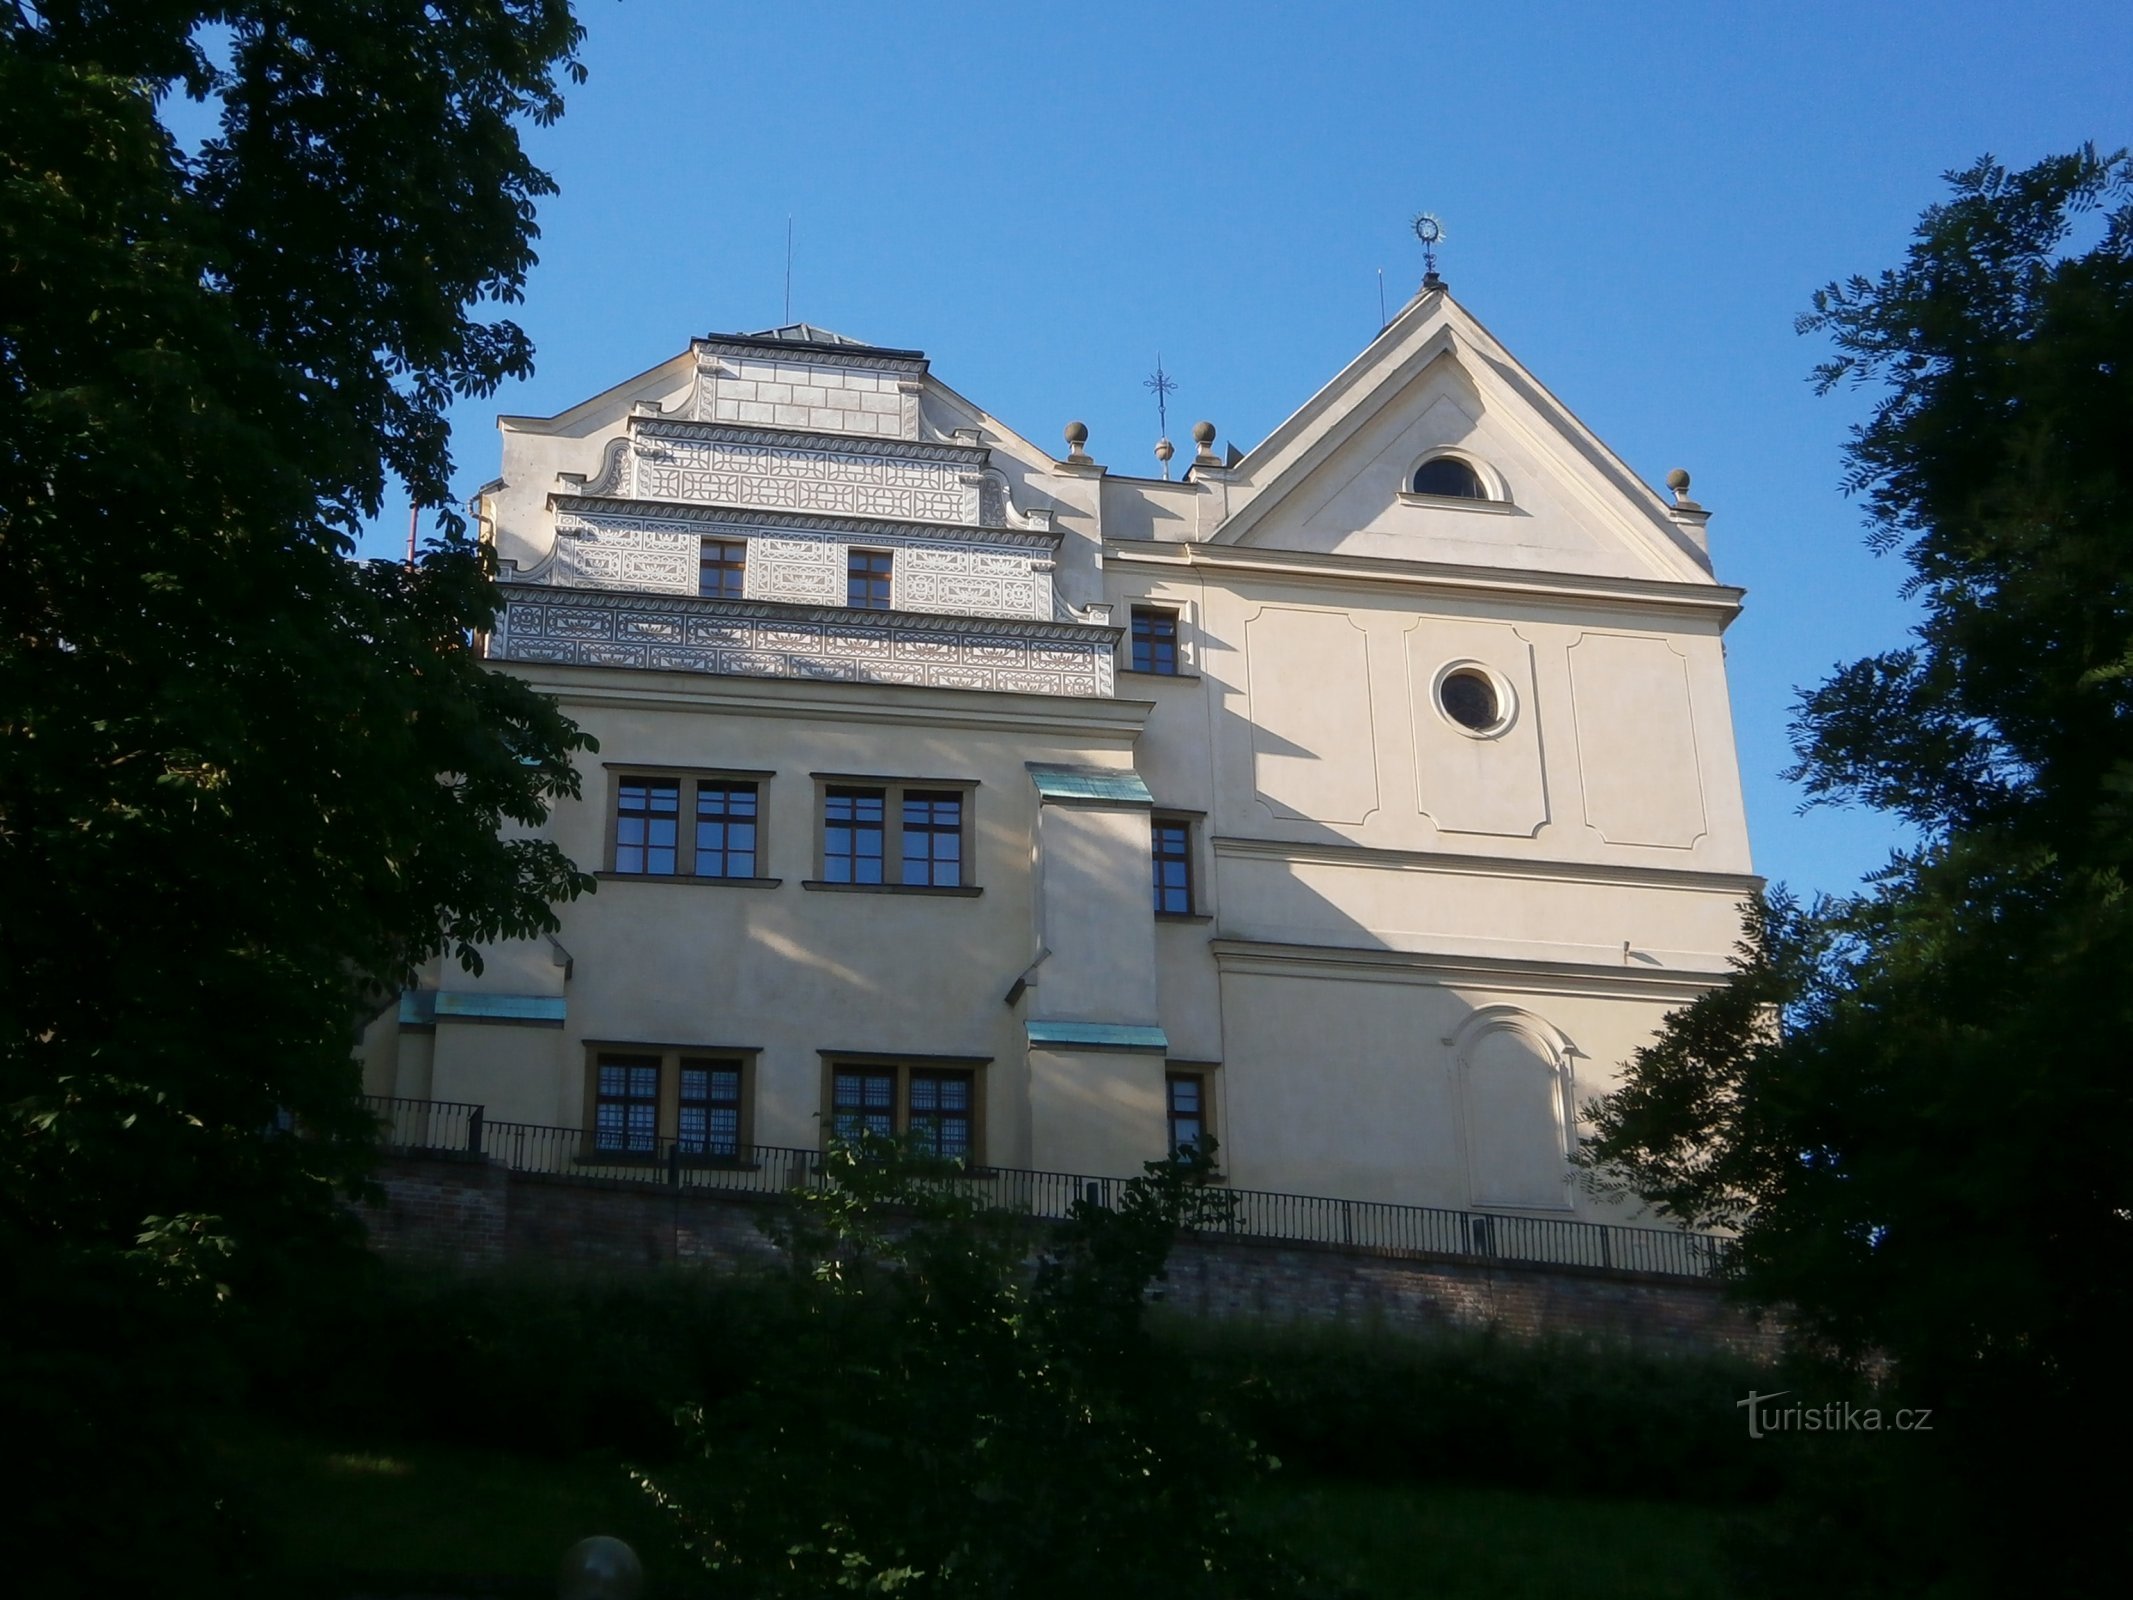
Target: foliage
(246, 783)
(948, 1416)
(1924, 1161)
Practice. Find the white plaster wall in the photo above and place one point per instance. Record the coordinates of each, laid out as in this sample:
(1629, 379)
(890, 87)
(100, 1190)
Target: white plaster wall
(799, 394)
(1094, 916)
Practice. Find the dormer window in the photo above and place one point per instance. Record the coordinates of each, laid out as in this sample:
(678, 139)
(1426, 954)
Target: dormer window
(1449, 477)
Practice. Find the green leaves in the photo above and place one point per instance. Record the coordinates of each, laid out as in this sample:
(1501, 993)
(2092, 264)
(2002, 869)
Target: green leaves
(1924, 1160)
(965, 1403)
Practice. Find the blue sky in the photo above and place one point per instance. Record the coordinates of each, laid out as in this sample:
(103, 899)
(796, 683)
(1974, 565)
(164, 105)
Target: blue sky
(1638, 201)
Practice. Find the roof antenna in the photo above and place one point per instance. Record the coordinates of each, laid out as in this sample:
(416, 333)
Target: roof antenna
(788, 270)
(1381, 299)
(1163, 386)
(1431, 232)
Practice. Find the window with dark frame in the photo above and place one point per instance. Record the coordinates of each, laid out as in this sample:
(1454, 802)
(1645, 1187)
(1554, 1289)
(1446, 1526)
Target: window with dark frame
(725, 828)
(647, 825)
(709, 1115)
(724, 570)
(626, 1104)
(893, 835)
(854, 830)
(940, 1113)
(1187, 1096)
(863, 1100)
(866, 579)
(935, 1108)
(933, 838)
(1155, 640)
(1171, 856)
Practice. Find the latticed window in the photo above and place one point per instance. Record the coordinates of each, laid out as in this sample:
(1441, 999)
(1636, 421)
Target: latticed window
(1188, 1109)
(1155, 640)
(853, 831)
(940, 1113)
(647, 825)
(863, 1101)
(725, 829)
(1172, 858)
(724, 570)
(709, 1122)
(626, 1110)
(866, 579)
(933, 838)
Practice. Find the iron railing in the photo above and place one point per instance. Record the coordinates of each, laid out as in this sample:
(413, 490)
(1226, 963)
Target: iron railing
(1374, 1226)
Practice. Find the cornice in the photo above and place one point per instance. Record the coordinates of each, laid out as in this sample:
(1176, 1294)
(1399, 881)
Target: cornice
(640, 601)
(1435, 861)
(1110, 722)
(1378, 965)
(973, 456)
(802, 353)
(1309, 566)
(802, 521)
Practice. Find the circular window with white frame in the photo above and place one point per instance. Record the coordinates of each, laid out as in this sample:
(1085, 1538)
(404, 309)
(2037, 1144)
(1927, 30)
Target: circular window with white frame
(1475, 700)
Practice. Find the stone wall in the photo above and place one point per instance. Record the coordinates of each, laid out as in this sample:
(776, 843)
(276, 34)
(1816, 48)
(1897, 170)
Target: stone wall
(470, 1212)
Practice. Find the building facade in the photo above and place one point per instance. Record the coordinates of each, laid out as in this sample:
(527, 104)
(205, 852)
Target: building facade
(1363, 800)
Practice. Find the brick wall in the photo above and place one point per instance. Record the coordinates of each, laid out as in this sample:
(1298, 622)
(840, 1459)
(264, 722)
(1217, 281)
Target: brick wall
(470, 1212)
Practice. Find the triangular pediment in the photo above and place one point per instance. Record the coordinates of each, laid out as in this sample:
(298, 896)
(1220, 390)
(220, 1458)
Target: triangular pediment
(1335, 477)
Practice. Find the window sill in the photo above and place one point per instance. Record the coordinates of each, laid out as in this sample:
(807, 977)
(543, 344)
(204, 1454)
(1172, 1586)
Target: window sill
(959, 892)
(1142, 672)
(676, 877)
(1456, 502)
(1184, 916)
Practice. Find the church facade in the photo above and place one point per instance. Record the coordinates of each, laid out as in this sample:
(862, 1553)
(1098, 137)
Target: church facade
(1362, 800)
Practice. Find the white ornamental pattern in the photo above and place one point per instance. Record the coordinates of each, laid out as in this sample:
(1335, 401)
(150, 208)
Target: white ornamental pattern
(625, 555)
(787, 478)
(971, 583)
(801, 571)
(683, 636)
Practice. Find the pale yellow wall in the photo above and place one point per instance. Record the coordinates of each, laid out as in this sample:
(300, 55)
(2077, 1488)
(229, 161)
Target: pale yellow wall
(1096, 1111)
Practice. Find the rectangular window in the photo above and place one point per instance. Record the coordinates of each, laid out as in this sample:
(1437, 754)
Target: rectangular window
(933, 838)
(626, 1104)
(864, 1101)
(705, 826)
(724, 570)
(709, 1110)
(940, 1113)
(649, 1104)
(1155, 640)
(890, 835)
(1171, 854)
(935, 1106)
(725, 829)
(1187, 1094)
(866, 579)
(854, 827)
(647, 825)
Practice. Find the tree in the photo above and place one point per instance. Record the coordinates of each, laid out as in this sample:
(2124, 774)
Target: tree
(1913, 1104)
(966, 1403)
(247, 784)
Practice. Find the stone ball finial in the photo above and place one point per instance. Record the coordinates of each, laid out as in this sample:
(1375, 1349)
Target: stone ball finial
(1077, 434)
(1678, 481)
(1203, 434)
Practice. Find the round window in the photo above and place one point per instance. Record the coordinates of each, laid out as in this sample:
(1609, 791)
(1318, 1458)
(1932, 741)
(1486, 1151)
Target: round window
(1470, 699)
(1450, 477)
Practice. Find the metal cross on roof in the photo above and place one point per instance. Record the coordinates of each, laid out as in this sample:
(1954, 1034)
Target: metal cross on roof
(1163, 385)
